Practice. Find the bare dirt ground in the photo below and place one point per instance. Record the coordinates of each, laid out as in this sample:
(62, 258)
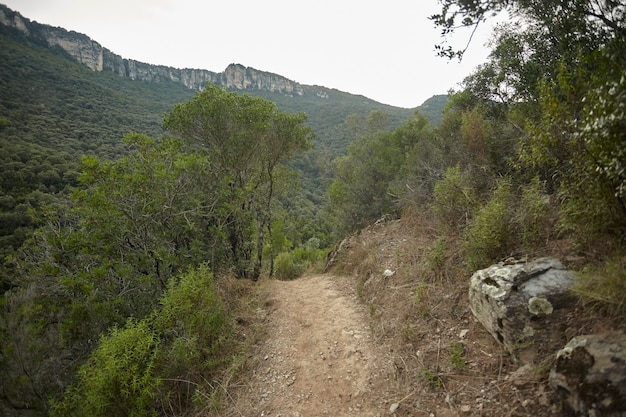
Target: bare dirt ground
(358, 342)
(319, 357)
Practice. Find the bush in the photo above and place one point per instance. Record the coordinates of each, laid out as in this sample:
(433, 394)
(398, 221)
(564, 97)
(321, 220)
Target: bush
(151, 364)
(195, 330)
(119, 378)
(290, 265)
(490, 235)
(534, 215)
(192, 311)
(434, 265)
(603, 288)
(285, 266)
(588, 210)
(454, 199)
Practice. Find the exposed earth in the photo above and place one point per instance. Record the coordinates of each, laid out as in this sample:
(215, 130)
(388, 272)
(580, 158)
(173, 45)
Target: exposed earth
(319, 358)
(355, 342)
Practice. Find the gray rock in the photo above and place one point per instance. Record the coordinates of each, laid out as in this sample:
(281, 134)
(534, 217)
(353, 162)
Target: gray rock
(590, 375)
(524, 305)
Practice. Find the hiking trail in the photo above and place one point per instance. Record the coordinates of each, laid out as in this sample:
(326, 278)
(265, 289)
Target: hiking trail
(319, 357)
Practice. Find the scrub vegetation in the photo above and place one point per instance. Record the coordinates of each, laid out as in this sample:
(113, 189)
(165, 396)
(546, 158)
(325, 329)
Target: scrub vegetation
(131, 211)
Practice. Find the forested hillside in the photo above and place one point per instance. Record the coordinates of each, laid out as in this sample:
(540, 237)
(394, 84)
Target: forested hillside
(108, 197)
(53, 111)
(123, 258)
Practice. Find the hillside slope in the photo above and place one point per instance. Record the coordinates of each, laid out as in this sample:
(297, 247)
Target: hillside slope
(59, 101)
(423, 351)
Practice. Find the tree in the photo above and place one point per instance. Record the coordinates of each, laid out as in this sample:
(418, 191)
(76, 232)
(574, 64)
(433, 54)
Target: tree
(558, 69)
(566, 23)
(106, 255)
(366, 179)
(245, 138)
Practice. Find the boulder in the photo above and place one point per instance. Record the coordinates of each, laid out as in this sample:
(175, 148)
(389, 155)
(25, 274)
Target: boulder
(590, 375)
(524, 305)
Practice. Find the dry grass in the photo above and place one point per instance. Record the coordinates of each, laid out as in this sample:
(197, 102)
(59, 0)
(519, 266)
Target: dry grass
(448, 362)
(243, 299)
(444, 360)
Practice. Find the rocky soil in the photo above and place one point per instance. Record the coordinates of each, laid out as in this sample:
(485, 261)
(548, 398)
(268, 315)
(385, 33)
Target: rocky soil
(319, 357)
(380, 334)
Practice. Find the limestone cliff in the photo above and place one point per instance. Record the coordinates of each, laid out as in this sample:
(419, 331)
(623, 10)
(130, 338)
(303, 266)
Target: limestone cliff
(98, 58)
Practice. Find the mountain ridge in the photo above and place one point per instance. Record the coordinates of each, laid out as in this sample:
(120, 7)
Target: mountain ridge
(93, 55)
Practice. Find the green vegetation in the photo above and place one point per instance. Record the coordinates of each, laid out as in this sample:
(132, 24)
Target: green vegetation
(111, 254)
(160, 362)
(53, 111)
(490, 234)
(118, 256)
(246, 140)
(292, 264)
(529, 157)
(432, 380)
(602, 287)
(457, 356)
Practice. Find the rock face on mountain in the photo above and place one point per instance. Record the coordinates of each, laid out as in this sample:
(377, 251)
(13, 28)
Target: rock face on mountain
(98, 58)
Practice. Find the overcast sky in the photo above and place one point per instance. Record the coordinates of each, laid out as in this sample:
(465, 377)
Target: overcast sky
(382, 50)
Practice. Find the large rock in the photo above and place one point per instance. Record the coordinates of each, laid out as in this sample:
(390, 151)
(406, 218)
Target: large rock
(524, 305)
(590, 375)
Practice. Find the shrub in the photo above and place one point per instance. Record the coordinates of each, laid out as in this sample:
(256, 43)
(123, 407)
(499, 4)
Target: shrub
(290, 265)
(490, 235)
(151, 364)
(432, 380)
(434, 264)
(457, 356)
(603, 288)
(119, 378)
(587, 211)
(454, 199)
(192, 313)
(285, 266)
(420, 299)
(534, 214)
(195, 330)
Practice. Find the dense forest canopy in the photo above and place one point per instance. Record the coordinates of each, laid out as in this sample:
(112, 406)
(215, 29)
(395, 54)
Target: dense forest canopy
(115, 266)
(51, 103)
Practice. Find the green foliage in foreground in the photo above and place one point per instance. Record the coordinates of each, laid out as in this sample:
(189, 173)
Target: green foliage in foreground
(119, 378)
(110, 252)
(161, 362)
(603, 287)
(490, 233)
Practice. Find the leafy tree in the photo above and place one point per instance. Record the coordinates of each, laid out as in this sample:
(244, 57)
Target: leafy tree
(367, 181)
(107, 256)
(565, 23)
(246, 139)
(557, 72)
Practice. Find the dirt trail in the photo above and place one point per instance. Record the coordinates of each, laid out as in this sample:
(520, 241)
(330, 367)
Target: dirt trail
(319, 358)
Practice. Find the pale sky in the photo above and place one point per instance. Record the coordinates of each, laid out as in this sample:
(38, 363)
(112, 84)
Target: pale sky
(382, 50)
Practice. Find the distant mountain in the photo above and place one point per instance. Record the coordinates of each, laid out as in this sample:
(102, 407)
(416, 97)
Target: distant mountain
(90, 53)
(63, 95)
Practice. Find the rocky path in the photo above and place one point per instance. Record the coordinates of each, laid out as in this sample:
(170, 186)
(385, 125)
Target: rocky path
(319, 358)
